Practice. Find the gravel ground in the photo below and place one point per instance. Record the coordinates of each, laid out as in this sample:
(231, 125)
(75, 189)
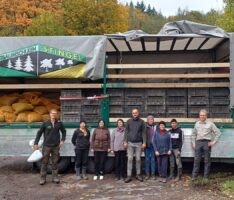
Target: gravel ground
(20, 182)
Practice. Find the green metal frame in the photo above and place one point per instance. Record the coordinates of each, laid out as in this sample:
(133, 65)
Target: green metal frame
(105, 108)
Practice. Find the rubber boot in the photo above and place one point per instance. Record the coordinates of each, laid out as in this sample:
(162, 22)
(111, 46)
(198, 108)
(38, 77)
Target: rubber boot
(171, 176)
(84, 176)
(78, 177)
(55, 177)
(179, 174)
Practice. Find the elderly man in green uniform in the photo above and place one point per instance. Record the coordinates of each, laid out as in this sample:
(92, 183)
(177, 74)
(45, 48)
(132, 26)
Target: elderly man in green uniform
(51, 145)
(205, 135)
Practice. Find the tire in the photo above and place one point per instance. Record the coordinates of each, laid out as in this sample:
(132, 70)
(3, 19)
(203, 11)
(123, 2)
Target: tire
(109, 165)
(63, 164)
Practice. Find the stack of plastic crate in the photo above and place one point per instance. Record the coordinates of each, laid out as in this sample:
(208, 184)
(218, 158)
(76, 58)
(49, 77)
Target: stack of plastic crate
(116, 97)
(134, 98)
(198, 98)
(155, 102)
(71, 109)
(219, 103)
(176, 103)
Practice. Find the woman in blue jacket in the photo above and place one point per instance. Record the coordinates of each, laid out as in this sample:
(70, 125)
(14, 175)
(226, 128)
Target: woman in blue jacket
(162, 147)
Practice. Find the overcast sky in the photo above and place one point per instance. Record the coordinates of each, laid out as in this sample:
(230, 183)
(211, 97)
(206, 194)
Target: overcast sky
(170, 7)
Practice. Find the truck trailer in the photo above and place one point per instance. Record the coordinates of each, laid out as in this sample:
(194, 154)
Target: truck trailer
(174, 74)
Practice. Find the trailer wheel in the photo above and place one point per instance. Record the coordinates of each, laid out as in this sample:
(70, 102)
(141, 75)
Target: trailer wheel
(109, 165)
(63, 164)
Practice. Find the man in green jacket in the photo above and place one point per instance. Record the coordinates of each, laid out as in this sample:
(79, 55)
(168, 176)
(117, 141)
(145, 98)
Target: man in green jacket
(51, 145)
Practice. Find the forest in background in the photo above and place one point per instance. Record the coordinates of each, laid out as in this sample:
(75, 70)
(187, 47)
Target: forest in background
(97, 17)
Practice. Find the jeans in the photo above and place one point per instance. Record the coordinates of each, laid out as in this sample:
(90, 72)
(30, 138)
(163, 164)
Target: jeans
(175, 159)
(150, 161)
(47, 151)
(82, 158)
(162, 165)
(134, 148)
(99, 162)
(120, 161)
(200, 149)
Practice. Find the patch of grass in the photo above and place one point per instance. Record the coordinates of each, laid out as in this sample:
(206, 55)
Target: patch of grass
(219, 182)
(228, 188)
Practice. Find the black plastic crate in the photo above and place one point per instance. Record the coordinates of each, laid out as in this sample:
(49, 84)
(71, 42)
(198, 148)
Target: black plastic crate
(197, 100)
(220, 115)
(71, 93)
(219, 92)
(219, 101)
(134, 94)
(128, 108)
(116, 101)
(155, 108)
(176, 100)
(91, 109)
(155, 93)
(176, 92)
(196, 109)
(134, 102)
(91, 102)
(71, 109)
(91, 118)
(116, 109)
(176, 109)
(115, 92)
(76, 103)
(70, 117)
(156, 100)
(198, 92)
(219, 109)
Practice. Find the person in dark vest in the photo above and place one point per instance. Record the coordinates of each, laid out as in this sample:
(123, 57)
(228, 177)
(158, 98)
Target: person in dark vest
(135, 143)
(52, 143)
(101, 146)
(205, 135)
(177, 142)
(162, 146)
(117, 147)
(80, 140)
(150, 159)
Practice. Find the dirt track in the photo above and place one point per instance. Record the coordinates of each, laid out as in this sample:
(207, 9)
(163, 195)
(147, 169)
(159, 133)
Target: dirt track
(20, 182)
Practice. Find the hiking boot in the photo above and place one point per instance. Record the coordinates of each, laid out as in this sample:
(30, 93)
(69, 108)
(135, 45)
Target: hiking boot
(42, 181)
(128, 179)
(84, 174)
(171, 176)
(55, 177)
(164, 180)
(139, 178)
(78, 177)
(147, 177)
(179, 175)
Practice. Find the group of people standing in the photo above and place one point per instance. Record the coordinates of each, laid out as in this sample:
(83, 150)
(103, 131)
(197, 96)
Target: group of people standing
(161, 147)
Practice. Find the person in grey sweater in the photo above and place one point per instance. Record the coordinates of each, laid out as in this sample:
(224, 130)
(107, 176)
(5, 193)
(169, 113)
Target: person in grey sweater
(204, 136)
(135, 143)
(117, 147)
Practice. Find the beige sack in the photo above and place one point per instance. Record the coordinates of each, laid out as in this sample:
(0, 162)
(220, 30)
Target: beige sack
(40, 109)
(34, 117)
(20, 107)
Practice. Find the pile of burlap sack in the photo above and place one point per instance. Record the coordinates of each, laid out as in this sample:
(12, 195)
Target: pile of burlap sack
(27, 107)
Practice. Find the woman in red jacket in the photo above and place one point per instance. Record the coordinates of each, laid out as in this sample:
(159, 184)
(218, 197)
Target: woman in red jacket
(101, 146)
